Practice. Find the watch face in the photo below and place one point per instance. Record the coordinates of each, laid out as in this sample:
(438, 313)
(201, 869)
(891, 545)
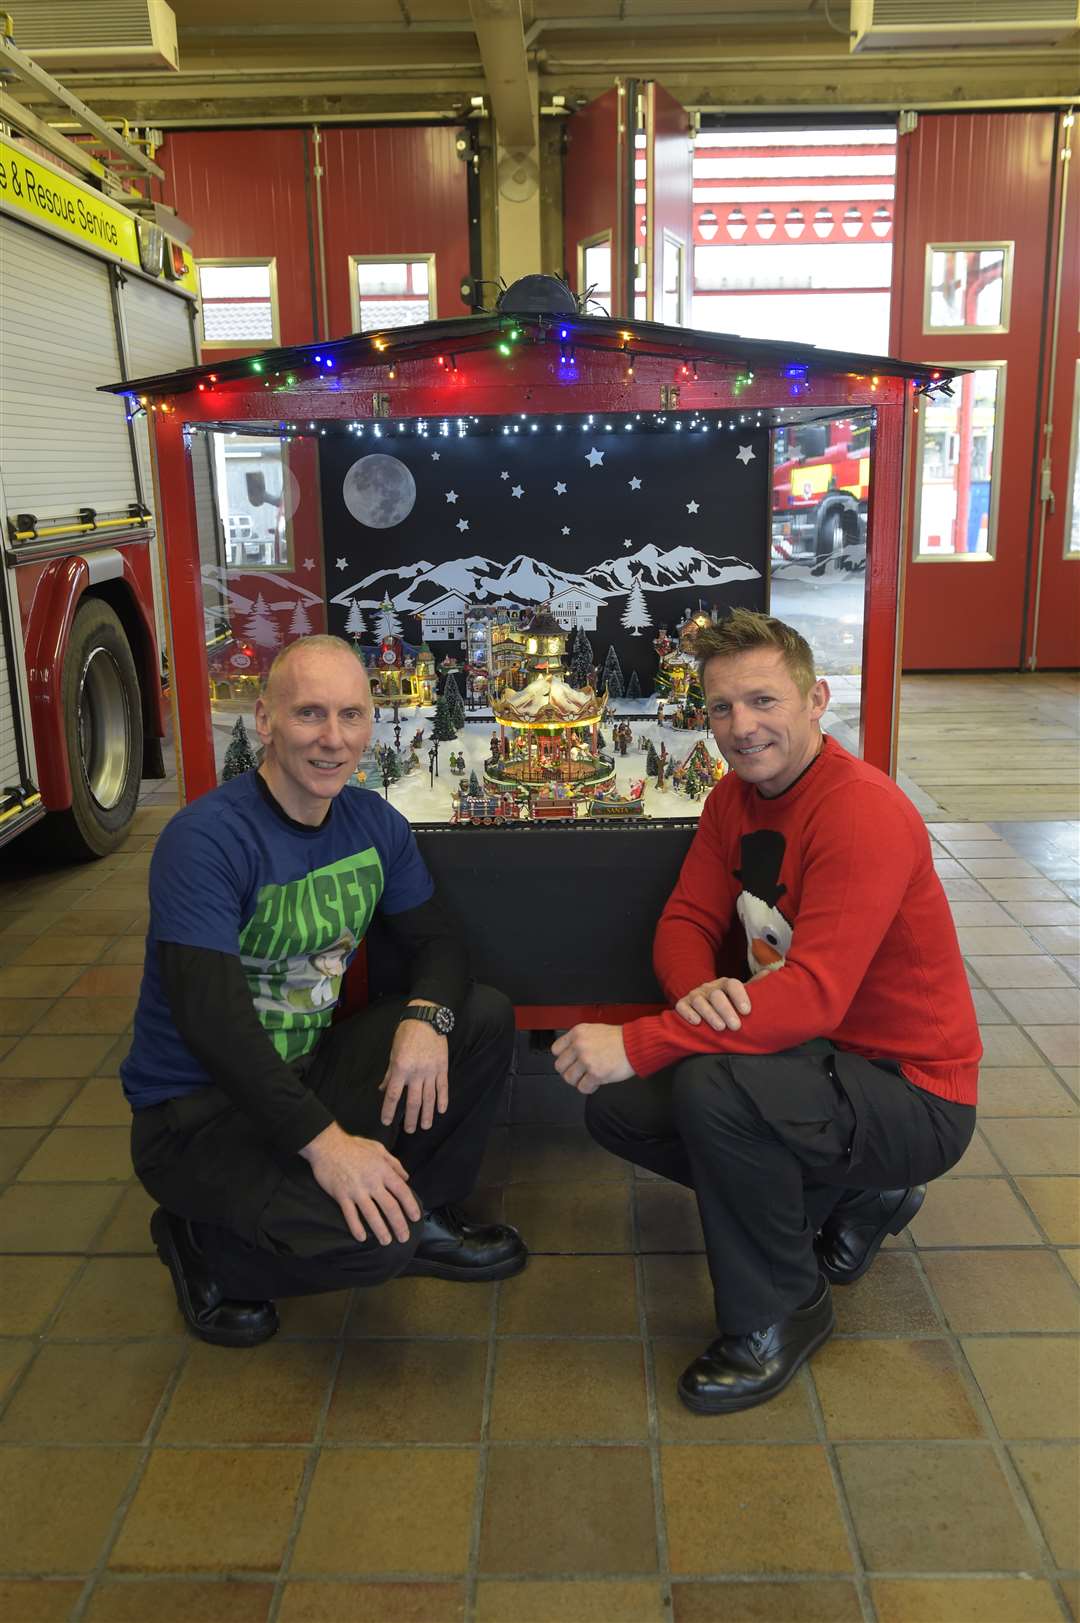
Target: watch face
(443, 1022)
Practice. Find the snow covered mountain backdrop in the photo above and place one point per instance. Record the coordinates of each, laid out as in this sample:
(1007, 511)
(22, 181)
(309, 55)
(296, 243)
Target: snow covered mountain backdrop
(523, 580)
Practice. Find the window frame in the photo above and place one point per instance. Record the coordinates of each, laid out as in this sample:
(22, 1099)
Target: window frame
(283, 441)
(256, 261)
(402, 258)
(990, 555)
(1007, 248)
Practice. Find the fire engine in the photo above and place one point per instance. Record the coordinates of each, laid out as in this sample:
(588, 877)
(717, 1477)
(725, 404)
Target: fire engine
(821, 480)
(93, 292)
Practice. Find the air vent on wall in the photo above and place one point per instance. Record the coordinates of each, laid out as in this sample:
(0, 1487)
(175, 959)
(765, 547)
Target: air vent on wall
(880, 25)
(66, 36)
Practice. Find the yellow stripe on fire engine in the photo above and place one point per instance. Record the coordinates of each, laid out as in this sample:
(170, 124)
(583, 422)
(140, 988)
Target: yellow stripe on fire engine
(36, 191)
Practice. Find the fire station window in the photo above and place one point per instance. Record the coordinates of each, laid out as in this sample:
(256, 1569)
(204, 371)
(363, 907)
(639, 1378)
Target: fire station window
(238, 302)
(392, 292)
(1072, 517)
(957, 464)
(594, 271)
(968, 287)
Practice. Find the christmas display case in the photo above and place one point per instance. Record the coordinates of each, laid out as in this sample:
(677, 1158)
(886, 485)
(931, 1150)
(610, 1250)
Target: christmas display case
(516, 518)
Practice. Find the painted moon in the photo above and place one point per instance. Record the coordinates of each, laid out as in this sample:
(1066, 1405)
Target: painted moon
(379, 491)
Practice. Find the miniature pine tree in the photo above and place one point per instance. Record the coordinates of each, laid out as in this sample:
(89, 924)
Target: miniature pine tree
(612, 678)
(300, 624)
(391, 766)
(581, 659)
(455, 704)
(239, 757)
(636, 614)
(442, 727)
(354, 625)
(652, 760)
(474, 784)
(633, 687)
(692, 784)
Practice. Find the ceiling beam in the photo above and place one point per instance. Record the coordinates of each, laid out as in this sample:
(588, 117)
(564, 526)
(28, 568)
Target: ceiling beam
(500, 34)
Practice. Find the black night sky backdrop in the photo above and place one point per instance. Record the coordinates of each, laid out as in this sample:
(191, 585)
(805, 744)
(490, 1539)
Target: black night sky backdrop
(640, 523)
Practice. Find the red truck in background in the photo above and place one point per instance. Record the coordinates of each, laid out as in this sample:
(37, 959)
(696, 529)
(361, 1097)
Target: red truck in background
(820, 484)
(92, 292)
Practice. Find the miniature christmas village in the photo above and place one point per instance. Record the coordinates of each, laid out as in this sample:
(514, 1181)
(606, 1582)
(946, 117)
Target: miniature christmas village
(524, 727)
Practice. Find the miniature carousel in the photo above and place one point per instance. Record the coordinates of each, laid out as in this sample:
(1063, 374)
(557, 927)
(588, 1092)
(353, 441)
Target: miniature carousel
(547, 748)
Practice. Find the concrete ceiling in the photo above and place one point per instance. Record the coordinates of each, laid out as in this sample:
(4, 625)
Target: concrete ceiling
(258, 61)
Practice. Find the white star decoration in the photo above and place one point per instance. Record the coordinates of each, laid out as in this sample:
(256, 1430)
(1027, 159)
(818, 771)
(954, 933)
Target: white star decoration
(463, 524)
(518, 491)
(504, 474)
(628, 542)
(309, 563)
(566, 529)
(595, 458)
(560, 489)
(691, 507)
(745, 455)
(451, 496)
(435, 455)
(341, 564)
(634, 483)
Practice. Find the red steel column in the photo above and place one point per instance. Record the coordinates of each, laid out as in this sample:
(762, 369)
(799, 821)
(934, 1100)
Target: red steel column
(884, 588)
(189, 677)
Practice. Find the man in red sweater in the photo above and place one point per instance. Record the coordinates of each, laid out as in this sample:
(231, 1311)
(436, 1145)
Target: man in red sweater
(808, 1096)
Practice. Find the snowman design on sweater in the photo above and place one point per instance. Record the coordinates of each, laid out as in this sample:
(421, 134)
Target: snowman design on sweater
(768, 933)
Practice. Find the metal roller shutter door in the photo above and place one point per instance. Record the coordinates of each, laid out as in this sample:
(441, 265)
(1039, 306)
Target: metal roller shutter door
(62, 445)
(159, 330)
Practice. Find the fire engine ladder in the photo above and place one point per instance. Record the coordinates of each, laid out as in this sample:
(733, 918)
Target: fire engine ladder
(111, 158)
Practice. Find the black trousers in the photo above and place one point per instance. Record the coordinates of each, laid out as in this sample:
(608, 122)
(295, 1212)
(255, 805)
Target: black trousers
(266, 1227)
(770, 1144)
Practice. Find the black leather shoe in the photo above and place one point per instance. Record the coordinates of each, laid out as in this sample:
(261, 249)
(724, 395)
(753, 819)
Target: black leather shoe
(208, 1313)
(737, 1372)
(852, 1234)
(452, 1248)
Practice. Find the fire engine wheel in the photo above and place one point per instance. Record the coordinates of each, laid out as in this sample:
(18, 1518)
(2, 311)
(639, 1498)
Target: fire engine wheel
(103, 723)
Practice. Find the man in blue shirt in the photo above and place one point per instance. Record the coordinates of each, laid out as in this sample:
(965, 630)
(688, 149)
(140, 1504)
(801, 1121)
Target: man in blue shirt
(289, 1154)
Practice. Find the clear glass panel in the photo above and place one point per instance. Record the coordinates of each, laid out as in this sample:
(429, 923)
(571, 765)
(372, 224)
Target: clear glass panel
(392, 293)
(957, 466)
(1072, 522)
(596, 272)
(671, 298)
(820, 486)
(234, 281)
(251, 483)
(966, 287)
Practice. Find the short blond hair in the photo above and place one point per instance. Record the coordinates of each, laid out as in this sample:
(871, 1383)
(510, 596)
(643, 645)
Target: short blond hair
(744, 630)
(320, 643)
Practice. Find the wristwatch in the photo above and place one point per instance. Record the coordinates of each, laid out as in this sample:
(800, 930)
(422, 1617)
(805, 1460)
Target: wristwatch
(432, 1015)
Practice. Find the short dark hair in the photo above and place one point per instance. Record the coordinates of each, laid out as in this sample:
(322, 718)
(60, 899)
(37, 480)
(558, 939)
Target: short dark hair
(745, 629)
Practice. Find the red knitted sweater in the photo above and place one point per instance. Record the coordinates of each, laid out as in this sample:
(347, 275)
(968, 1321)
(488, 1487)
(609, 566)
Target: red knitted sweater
(833, 884)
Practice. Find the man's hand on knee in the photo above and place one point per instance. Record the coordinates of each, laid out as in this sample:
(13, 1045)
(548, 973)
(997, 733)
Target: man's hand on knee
(718, 1003)
(419, 1069)
(369, 1184)
(589, 1056)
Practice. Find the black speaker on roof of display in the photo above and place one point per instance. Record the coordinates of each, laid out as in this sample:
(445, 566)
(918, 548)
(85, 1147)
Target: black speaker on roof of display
(537, 295)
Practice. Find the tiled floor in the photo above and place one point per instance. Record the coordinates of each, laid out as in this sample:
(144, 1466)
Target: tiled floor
(515, 1453)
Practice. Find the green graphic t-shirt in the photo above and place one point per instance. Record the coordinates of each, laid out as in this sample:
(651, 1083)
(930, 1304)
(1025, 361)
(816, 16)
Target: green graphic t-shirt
(230, 874)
